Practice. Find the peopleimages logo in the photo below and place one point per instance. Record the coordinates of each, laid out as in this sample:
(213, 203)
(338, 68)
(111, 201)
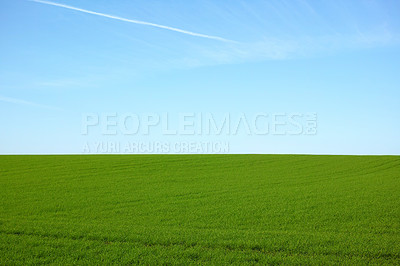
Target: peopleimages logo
(186, 124)
(195, 133)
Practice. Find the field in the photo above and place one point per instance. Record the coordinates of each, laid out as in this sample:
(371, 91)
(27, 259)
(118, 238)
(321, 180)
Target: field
(218, 209)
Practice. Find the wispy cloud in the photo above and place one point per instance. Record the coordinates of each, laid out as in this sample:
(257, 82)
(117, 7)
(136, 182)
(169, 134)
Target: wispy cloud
(279, 49)
(23, 102)
(135, 21)
(310, 35)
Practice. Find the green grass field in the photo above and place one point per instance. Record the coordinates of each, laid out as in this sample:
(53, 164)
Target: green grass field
(180, 209)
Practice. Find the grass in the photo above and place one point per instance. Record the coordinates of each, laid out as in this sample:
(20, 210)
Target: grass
(191, 209)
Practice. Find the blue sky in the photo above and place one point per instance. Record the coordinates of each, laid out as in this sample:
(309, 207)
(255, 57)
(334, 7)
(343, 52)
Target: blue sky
(338, 59)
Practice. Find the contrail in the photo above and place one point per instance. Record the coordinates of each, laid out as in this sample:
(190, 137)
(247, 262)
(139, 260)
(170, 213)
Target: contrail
(23, 102)
(134, 21)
